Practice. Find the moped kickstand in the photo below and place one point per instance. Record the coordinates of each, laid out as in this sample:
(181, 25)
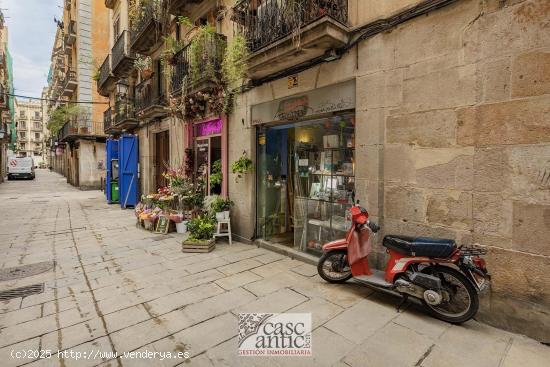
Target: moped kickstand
(404, 300)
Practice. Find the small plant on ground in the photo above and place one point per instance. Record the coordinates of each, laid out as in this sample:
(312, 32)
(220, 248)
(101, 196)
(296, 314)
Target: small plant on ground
(201, 228)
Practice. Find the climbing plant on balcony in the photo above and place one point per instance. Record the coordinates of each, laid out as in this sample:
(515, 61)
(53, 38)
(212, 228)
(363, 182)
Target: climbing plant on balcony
(61, 115)
(234, 68)
(199, 53)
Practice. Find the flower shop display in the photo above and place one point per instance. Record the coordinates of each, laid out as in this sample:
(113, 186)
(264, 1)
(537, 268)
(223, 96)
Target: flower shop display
(180, 201)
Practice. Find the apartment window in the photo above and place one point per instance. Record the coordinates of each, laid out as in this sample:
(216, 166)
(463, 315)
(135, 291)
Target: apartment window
(37, 136)
(22, 125)
(23, 135)
(37, 125)
(37, 115)
(23, 146)
(22, 113)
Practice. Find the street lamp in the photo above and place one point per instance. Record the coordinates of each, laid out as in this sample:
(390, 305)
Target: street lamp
(122, 88)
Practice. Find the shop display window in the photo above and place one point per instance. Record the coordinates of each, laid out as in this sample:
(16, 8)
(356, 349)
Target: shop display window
(306, 181)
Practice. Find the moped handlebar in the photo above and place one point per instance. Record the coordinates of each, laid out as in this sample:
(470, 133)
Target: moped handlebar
(373, 226)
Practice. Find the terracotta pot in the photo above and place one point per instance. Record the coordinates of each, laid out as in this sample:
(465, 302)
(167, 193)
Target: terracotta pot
(147, 73)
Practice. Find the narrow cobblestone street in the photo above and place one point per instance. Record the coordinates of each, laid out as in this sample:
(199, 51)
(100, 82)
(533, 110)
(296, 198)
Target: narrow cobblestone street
(117, 288)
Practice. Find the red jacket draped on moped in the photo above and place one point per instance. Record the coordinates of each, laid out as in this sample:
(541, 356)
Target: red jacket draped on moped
(444, 277)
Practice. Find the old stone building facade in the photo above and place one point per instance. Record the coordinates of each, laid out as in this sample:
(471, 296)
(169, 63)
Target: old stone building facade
(78, 146)
(30, 130)
(434, 114)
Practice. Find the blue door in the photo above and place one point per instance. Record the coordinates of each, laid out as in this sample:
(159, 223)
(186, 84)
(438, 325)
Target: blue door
(128, 170)
(112, 153)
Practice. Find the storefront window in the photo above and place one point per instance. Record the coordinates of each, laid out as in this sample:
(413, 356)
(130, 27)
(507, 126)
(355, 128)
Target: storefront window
(306, 181)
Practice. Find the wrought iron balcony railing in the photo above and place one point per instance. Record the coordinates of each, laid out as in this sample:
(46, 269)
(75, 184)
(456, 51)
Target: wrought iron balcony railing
(104, 70)
(145, 30)
(124, 111)
(122, 55)
(70, 33)
(193, 69)
(107, 120)
(268, 21)
(69, 83)
(148, 95)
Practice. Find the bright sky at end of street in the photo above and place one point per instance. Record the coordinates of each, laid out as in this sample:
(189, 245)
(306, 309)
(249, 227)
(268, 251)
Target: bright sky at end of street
(31, 30)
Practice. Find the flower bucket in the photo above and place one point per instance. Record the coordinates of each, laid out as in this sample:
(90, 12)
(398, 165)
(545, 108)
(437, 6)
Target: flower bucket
(220, 216)
(181, 227)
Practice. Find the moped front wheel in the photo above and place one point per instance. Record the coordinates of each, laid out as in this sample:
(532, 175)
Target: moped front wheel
(333, 266)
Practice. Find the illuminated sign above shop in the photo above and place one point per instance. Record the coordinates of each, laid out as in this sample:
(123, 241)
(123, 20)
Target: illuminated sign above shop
(212, 127)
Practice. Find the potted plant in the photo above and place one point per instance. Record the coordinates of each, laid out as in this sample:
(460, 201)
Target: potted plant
(201, 235)
(221, 207)
(241, 166)
(144, 65)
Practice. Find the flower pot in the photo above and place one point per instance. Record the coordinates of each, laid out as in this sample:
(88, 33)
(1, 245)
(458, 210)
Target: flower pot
(181, 227)
(220, 216)
(147, 73)
(226, 214)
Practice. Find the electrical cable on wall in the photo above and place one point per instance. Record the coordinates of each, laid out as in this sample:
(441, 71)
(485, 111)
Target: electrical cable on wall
(54, 100)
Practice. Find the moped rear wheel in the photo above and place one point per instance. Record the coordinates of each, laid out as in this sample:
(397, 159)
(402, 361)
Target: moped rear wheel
(460, 302)
(333, 266)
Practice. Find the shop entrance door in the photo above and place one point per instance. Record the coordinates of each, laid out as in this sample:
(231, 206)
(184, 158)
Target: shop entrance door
(162, 157)
(209, 154)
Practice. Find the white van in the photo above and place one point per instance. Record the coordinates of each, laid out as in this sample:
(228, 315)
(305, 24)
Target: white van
(22, 167)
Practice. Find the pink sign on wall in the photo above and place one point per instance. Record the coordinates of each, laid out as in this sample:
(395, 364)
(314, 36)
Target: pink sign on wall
(212, 127)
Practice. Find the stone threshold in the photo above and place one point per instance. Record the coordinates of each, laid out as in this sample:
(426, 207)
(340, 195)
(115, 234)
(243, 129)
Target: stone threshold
(287, 251)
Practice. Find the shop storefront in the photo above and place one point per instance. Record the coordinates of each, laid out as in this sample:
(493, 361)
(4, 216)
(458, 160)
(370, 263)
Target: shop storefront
(305, 167)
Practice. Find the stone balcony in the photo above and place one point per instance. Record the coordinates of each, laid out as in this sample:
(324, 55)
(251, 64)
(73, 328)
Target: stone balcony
(280, 36)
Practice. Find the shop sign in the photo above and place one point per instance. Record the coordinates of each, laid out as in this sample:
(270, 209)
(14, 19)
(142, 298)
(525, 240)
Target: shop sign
(293, 108)
(212, 127)
(339, 97)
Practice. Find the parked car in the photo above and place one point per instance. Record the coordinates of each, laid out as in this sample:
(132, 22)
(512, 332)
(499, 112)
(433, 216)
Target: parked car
(21, 167)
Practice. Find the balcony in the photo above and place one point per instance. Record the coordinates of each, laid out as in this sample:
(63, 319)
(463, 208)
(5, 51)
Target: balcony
(108, 126)
(182, 7)
(124, 116)
(3, 98)
(106, 79)
(146, 32)
(122, 55)
(150, 101)
(70, 33)
(79, 128)
(284, 33)
(202, 73)
(70, 83)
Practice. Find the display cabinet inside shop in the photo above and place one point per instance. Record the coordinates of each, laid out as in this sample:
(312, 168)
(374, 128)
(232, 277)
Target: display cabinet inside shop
(326, 189)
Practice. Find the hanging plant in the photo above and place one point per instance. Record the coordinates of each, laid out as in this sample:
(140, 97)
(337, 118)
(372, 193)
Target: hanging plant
(241, 166)
(234, 65)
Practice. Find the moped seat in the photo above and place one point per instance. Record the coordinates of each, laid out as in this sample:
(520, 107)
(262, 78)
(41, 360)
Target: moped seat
(420, 246)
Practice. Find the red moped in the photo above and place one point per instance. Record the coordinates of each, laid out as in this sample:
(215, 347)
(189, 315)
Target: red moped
(445, 278)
